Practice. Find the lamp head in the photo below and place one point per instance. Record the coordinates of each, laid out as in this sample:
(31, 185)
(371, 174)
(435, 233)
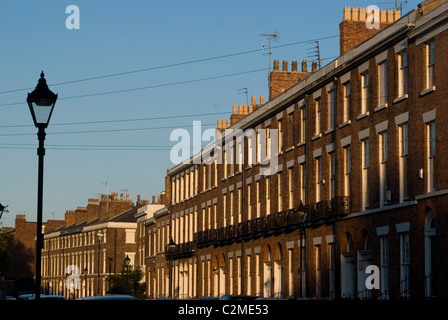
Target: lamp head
(41, 102)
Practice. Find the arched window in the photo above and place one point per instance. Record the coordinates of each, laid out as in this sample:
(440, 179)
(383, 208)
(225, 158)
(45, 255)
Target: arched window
(349, 242)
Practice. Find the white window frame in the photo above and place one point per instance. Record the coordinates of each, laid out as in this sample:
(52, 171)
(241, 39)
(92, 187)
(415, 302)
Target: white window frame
(430, 57)
(347, 102)
(365, 173)
(383, 156)
(405, 271)
(347, 169)
(302, 123)
(402, 74)
(431, 155)
(318, 113)
(318, 176)
(331, 109)
(403, 165)
(382, 84)
(364, 93)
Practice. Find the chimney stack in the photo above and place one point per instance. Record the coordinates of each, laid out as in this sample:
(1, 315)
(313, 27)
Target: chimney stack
(358, 25)
(281, 80)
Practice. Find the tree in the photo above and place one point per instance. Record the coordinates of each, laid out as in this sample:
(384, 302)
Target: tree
(5, 255)
(128, 281)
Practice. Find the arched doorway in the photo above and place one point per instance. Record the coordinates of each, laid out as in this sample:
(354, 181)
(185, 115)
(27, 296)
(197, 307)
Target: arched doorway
(267, 273)
(348, 269)
(222, 276)
(278, 273)
(364, 260)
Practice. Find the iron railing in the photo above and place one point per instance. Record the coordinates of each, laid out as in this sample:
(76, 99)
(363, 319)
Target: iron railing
(321, 212)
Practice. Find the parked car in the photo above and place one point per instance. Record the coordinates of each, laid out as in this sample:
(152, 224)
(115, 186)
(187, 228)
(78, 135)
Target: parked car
(237, 297)
(32, 296)
(52, 297)
(110, 297)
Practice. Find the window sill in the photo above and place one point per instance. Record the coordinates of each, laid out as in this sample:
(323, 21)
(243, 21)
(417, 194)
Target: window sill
(329, 131)
(300, 144)
(346, 123)
(316, 136)
(384, 106)
(401, 98)
(362, 116)
(289, 149)
(431, 194)
(427, 91)
(278, 154)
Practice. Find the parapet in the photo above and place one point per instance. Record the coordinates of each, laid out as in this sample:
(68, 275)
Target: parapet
(285, 66)
(94, 202)
(239, 112)
(360, 14)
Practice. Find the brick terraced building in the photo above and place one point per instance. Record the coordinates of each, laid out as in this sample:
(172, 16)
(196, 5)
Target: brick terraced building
(92, 244)
(360, 179)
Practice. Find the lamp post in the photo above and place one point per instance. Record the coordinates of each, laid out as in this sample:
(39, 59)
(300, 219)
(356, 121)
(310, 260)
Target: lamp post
(127, 261)
(100, 236)
(41, 103)
(86, 271)
(170, 247)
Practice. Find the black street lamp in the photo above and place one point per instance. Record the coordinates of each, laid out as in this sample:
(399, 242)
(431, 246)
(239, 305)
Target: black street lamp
(86, 271)
(170, 248)
(41, 103)
(100, 236)
(127, 261)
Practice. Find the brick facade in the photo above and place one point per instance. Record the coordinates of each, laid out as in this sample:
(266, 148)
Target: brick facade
(312, 228)
(91, 245)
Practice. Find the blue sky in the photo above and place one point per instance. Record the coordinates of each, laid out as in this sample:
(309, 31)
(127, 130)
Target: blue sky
(121, 37)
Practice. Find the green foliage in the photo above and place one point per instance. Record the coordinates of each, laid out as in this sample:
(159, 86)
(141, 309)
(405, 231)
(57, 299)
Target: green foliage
(128, 281)
(5, 255)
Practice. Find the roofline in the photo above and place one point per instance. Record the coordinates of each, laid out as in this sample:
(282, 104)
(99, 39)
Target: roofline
(379, 42)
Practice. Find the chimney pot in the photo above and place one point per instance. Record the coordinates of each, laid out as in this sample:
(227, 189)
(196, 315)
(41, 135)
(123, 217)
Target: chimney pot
(304, 66)
(294, 66)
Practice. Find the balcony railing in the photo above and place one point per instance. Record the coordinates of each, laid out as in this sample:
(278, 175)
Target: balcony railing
(180, 250)
(322, 212)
